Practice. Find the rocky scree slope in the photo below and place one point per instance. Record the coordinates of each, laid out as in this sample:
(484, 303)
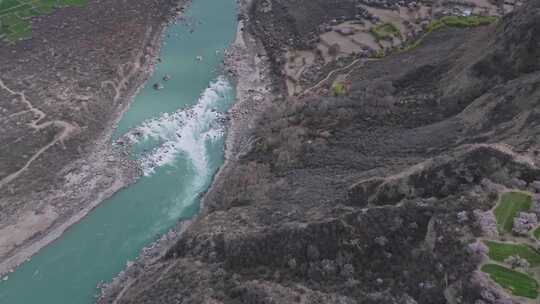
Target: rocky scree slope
(355, 199)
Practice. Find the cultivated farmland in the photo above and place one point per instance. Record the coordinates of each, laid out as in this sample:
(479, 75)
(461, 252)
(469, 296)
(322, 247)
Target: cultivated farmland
(15, 15)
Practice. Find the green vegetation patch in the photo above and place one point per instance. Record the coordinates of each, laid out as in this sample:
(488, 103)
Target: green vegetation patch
(461, 21)
(14, 27)
(510, 204)
(339, 89)
(518, 283)
(8, 4)
(15, 15)
(500, 251)
(453, 21)
(385, 31)
(536, 233)
(73, 2)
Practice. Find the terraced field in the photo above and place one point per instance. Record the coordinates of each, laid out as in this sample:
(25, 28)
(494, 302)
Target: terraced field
(15, 15)
(518, 283)
(501, 251)
(510, 205)
(521, 281)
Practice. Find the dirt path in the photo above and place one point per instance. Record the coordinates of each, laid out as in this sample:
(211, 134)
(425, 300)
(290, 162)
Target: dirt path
(67, 130)
(320, 83)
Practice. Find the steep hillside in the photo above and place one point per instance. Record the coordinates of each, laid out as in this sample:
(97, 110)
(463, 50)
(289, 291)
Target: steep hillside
(374, 195)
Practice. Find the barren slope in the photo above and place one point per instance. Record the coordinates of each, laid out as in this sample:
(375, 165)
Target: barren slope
(60, 93)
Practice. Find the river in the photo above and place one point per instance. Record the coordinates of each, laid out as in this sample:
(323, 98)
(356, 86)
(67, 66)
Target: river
(178, 140)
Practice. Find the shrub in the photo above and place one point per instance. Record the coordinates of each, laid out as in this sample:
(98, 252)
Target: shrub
(385, 31)
(339, 89)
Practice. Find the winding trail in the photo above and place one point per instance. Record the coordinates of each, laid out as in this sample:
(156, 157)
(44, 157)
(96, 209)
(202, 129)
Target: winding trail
(67, 130)
(330, 74)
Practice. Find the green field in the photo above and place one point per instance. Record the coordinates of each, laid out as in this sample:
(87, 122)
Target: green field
(15, 15)
(510, 204)
(461, 21)
(453, 21)
(385, 31)
(500, 251)
(518, 283)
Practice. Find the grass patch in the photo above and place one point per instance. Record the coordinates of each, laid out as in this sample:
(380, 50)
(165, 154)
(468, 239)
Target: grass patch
(14, 36)
(500, 251)
(453, 21)
(385, 31)
(339, 89)
(536, 233)
(15, 15)
(518, 283)
(27, 13)
(73, 2)
(510, 204)
(461, 21)
(8, 4)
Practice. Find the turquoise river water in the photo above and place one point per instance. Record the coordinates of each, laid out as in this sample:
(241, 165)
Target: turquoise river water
(179, 143)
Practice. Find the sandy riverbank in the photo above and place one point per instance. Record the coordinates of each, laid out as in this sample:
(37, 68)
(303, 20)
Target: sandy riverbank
(101, 173)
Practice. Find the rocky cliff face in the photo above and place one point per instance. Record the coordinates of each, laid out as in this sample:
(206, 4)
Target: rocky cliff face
(370, 197)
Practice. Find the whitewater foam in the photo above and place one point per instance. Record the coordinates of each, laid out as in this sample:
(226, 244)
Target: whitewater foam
(185, 131)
